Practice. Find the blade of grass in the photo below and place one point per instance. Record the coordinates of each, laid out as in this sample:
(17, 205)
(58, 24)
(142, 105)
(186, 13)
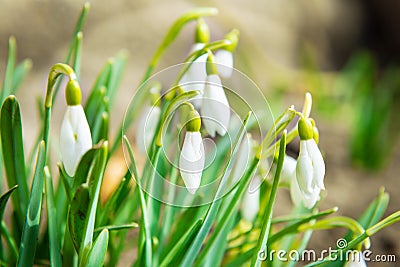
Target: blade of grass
(11, 244)
(53, 226)
(265, 229)
(117, 227)
(94, 181)
(13, 154)
(9, 72)
(98, 252)
(31, 228)
(175, 254)
(20, 73)
(3, 200)
(145, 220)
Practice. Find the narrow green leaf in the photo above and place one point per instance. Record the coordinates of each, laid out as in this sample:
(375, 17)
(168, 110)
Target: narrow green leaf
(145, 229)
(10, 243)
(78, 214)
(53, 226)
(98, 252)
(77, 54)
(266, 226)
(117, 227)
(3, 200)
(84, 168)
(32, 220)
(176, 253)
(94, 183)
(13, 154)
(20, 73)
(116, 75)
(9, 73)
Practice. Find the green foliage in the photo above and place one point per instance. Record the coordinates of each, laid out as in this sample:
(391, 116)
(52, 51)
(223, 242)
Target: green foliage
(81, 230)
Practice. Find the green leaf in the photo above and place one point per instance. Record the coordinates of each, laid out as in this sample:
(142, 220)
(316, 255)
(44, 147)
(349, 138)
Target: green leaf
(266, 225)
(13, 154)
(84, 168)
(117, 227)
(3, 200)
(53, 226)
(180, 247)
(94, 184)
(78, 214)
(145, 229)
(9, 72)
(116, 72)
(32, 220)
(99, 250)
(20, 73)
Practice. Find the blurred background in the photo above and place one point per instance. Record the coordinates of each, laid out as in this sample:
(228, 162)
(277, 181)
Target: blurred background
(345, 52)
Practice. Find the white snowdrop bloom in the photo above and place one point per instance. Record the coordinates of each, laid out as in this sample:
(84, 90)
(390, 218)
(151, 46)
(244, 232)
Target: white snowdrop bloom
(215, 108)
(192, 157)
(355, 260)
(191, 161)
(147, 127)
(224, 60)
(75, 138)
(251, 200)
(310, 168)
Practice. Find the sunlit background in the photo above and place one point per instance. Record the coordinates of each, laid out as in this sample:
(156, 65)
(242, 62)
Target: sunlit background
(346, 53)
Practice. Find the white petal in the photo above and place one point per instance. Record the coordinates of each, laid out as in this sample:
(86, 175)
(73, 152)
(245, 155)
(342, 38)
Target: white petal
(288, 169)
(251, 200)
(215, 108)
(355, 260)
(224, 59)
(299, 197)
(191, 161)
(295, 192)
(147, 127)
(318, 163)
(242, 158)
(195, 76)
(304, 170)
(75, 138)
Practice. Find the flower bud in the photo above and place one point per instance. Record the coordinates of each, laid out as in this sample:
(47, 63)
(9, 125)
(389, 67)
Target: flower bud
(193, 121)
(202, 32)
(73, 93)
(305, 129)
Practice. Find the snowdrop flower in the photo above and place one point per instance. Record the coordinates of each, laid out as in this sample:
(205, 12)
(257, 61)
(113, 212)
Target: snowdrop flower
(192, 157)
(75, 137)
(149, 120)
(215, 106)
(288, 169)
(355, 260)
(251, 200)
(310, 168)
(195, 76)
(224, 57)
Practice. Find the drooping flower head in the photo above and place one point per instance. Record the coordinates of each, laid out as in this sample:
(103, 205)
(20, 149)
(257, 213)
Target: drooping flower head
(215, 106)
(355, 260)
(310, 168)
(192, 157)
(224, 56)
(75, 136)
